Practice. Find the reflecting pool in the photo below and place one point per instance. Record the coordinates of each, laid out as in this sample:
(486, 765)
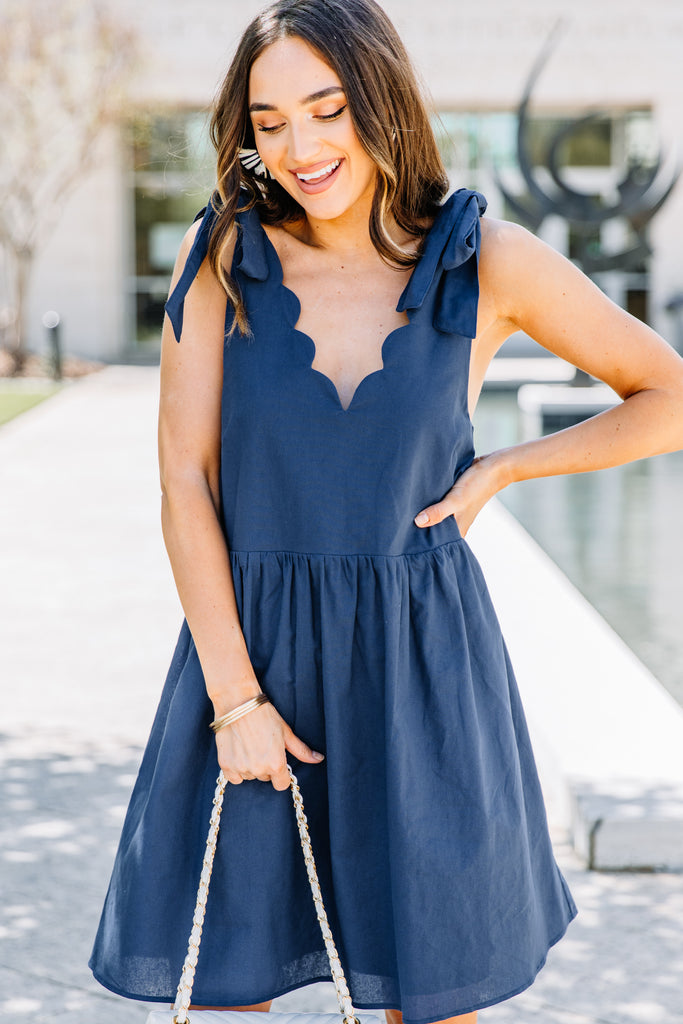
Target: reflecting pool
(617, 534)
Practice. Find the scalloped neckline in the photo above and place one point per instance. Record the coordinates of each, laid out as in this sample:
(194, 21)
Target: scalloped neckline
(296, 303)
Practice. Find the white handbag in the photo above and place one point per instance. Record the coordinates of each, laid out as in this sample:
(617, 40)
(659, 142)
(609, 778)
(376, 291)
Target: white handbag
(180, 1012)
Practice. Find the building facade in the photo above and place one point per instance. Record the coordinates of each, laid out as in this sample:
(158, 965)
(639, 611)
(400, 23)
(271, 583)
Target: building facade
(107, 264)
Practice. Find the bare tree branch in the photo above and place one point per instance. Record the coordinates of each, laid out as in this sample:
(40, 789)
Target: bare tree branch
(63, 72)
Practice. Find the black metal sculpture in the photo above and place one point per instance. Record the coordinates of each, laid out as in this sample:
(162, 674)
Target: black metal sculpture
(641, 193)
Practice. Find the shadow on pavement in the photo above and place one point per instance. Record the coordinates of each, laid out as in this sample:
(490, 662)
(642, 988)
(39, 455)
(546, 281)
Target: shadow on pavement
(61, 817)
(620, 963)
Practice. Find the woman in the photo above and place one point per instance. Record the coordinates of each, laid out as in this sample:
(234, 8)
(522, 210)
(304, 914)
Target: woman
(335, 320)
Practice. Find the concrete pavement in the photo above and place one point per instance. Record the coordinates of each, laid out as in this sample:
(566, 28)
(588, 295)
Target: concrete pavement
(88, 619)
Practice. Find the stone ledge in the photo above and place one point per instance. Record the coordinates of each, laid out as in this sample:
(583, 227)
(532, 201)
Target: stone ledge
(540, 404)
(511, 372)
(628, 827)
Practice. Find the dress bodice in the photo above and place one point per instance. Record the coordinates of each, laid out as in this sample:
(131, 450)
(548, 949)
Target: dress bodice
(298, 471)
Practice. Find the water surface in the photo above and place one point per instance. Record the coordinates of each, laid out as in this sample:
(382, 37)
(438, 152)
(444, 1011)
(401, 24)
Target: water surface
(616, 533)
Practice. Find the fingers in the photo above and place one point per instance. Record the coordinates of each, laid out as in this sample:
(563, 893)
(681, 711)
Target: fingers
(241, 762)
(451, 505)
(280, 779)
(473, 488)
(438, 513)
(433, 514)
(301, 751)
(235, 777)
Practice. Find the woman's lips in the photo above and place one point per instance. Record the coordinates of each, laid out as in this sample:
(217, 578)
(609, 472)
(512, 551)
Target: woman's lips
(310, 187)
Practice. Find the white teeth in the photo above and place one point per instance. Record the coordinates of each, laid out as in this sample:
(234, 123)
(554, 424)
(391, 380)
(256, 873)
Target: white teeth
(321, 173)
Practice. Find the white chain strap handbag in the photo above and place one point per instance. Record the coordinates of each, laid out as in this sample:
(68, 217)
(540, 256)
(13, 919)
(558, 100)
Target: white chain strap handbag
(180, 1013)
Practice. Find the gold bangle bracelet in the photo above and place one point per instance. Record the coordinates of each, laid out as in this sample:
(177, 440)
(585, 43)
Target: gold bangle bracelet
(239, 711)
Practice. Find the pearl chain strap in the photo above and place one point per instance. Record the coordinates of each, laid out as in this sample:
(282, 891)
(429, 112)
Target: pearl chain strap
(184, 994)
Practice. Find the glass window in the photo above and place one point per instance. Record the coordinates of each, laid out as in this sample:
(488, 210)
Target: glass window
(471, 141)
(640, 140)
(161, 220)
(173, 171)
(477, 140)
(177, 142)
(638, 302)
(579, 143)
(583, 239)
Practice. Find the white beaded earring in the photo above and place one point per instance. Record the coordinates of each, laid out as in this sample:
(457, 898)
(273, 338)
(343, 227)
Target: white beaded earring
(251, 161)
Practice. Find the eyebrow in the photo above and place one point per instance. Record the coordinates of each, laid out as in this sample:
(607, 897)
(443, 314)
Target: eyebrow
(313, 98)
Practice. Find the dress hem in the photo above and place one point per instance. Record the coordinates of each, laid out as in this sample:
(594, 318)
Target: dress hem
(361, 1005)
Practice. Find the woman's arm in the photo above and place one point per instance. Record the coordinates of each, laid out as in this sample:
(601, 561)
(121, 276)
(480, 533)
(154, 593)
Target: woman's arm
(526, 285)
(189, 461)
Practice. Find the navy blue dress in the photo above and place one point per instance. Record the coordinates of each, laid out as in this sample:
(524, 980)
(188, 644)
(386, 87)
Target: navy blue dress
(377, 642)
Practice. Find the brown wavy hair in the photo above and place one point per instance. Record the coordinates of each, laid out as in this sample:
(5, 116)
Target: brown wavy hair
(359, 42)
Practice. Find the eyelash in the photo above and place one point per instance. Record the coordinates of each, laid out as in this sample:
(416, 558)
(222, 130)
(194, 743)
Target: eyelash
(321, 117)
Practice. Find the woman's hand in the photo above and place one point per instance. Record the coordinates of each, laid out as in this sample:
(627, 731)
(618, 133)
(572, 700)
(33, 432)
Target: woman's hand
(256, 746)
(468, 495)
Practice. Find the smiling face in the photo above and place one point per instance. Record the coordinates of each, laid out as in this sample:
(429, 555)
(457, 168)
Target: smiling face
(304, 133)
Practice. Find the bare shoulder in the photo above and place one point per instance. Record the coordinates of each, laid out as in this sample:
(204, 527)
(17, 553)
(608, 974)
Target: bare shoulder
(192, 372)
(203, 322)
(184, 251)
(532, 287)
(188, 240)
(502, 245)
(518, 270)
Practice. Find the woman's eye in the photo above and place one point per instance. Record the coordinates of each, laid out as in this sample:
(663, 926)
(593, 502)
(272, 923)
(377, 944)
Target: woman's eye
(331, 117)
(269, 129)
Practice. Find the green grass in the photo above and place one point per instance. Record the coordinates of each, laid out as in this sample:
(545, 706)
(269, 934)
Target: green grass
(12, 403)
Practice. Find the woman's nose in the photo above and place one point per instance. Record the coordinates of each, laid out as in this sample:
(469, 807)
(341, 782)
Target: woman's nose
(304, 147)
